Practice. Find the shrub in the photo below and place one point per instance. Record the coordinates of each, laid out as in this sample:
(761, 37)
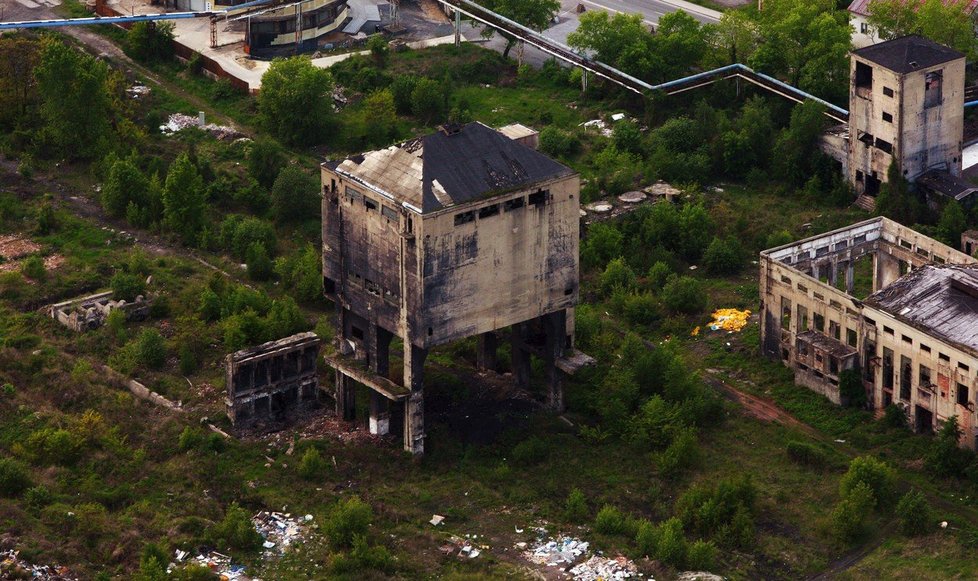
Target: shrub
(236, 531)
(530, 451)
(602, 244)
(617, 275)
(150, 41)
(681, 454)
(556, 142)
(701, 556)
(38, 497)
(724, 256)
(33, 268)
(126, 287)
(575, 507)
(895, 417)
(301, 272)
(945, 457)
(740, 531)
(641, 308)
(13, 477)
(238, 234)
(610, 521)
(312, 465)
(914, 513)
(849, 516)
(295, 196)
(54, 446)
(259, 264)
(658, 275)
(150, 349)
(428, 100)
(362, 557)
(875, 474)
(379, 50)
(190, 439)
(349, 519)
(684, 294)
(851, 389)
(707, 510)
(115, 322)
(671, 547)
(806, 454)
(265, 159)
(647, 538)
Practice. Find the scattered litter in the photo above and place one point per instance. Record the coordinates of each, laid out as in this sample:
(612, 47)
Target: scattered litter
(13, 567)
(179, 122)
(463, 548)
(695, 332)
(136, 91)
(436, 519)
(730, 320)
(943, 524)
(698, 576)
(558, 551)
(602, 568)
(598, 124)
(617, 116)
(279, 530)
(840, 441)
(220, 565)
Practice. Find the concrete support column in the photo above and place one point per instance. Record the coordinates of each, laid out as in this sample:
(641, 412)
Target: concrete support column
(380, 414)
(833, 272)
(458, 28)
(414, 358)
(850, 277)
(520, 361)
(345, 397)
(556, 327)
(485, 351)
(886, 269)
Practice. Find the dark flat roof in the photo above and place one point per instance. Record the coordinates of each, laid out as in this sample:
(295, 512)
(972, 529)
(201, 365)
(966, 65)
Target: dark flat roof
(947, 185)
(908, 54)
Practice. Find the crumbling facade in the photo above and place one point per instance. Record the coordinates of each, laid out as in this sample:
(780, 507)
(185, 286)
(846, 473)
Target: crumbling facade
(270, 379)
(906, 104)
(911, 341)
(89, 313)
(298, 25)
(460, 233)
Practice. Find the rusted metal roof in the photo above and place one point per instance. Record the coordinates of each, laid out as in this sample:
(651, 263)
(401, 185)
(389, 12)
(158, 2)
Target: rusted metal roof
(941, 300)
(451, 166)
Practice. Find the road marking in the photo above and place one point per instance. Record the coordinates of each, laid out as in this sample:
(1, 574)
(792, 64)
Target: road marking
(610, 9)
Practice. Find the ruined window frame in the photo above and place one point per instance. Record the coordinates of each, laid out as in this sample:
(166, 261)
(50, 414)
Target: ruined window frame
(933, 89)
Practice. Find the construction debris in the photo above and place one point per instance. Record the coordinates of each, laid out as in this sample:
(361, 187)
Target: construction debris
(13, 567)
(730, 320)
(217, 563)
(554, 552)
(463, 548)
(602, 568)
(436, 519)
(179, 122)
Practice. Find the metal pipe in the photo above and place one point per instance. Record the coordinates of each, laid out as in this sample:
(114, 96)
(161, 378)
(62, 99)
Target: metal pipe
(971, 103)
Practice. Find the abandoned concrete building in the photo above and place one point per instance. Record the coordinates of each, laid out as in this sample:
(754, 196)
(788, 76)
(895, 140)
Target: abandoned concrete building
(460, 233)
(906, 104)
(89, 313)
(296, 27)
(268, 381)
(897, 307)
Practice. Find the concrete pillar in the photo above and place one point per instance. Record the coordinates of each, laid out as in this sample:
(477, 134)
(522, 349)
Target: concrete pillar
(414, 405)
(380, 414)
(833, 272)
(850, 276)
(458, 28)
(886, 269)
(485, 351)
(345, 397)
(520, 361)
(556, 327)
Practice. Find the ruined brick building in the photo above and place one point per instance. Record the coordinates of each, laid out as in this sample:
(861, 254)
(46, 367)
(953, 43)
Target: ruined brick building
(906, 104)
(898, 308)
(460, 233)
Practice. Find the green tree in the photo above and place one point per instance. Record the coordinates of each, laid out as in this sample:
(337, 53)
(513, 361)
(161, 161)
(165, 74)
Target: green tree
(312, 465)
(534, 14)
(379, 49)
(126, 286)
(952, 224)
(428, 100)
(150, 41)
(402, 88)
(14, 478)
(896, 201)
(184, 200)
(295, 103)
(76, 106)
(348, 519)
(236, 531)
(945, 456)
(658, 275)
(617, 276)
(948, 23)
(265, 159)
(915, 514)
(380, 117)
(260, 266)
(797, 144)
(18, 86)
(125, 183)
(850, 515)
(875, 474)
(295, 196)
(301, 272)
(151, 349)
(575, 507)
(851, 388)
(684, 294)
(724, 256)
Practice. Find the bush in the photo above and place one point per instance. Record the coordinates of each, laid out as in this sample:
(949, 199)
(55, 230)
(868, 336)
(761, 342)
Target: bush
(602, 244)
(945, 456)
(617, 276)
(259, 264)
(658, 275)
(295, 196)
(575, 507)
(851, 389)
(641, 308)
(236, 531)
(190, 439)
(713, 510)
(54, 446)
(681, 454)
(895, 417)
(684, 294)
(671, 547)
(610, 521)
(13, 477)
(428, 100)
(126, 287)
(362, 557)
(647, 538)
(556, 142)
(806, 454)
(379, 49)
(33, 268)
(849, 516)
(349, 519)
(875, 474)
(701, 556)
(312, 465)
(724, 256)
(150, 41)
(530, 451)
(265, 160)
(301, 273)
(915, 514)
(238, 234)
(150, 349)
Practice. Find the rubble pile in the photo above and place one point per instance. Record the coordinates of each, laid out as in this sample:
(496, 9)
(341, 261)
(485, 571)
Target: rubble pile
(602, 568)
(13, 567)
(279, 530)
(464, 548)
(217, 563)
(179, 122)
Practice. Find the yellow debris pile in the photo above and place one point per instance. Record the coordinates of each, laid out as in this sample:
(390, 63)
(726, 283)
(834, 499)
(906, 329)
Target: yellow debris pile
(729, 320)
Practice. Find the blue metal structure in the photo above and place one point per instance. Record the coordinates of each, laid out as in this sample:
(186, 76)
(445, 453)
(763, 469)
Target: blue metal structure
(125, 19)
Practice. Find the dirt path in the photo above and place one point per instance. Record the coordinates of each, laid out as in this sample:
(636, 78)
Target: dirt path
(760, 408)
